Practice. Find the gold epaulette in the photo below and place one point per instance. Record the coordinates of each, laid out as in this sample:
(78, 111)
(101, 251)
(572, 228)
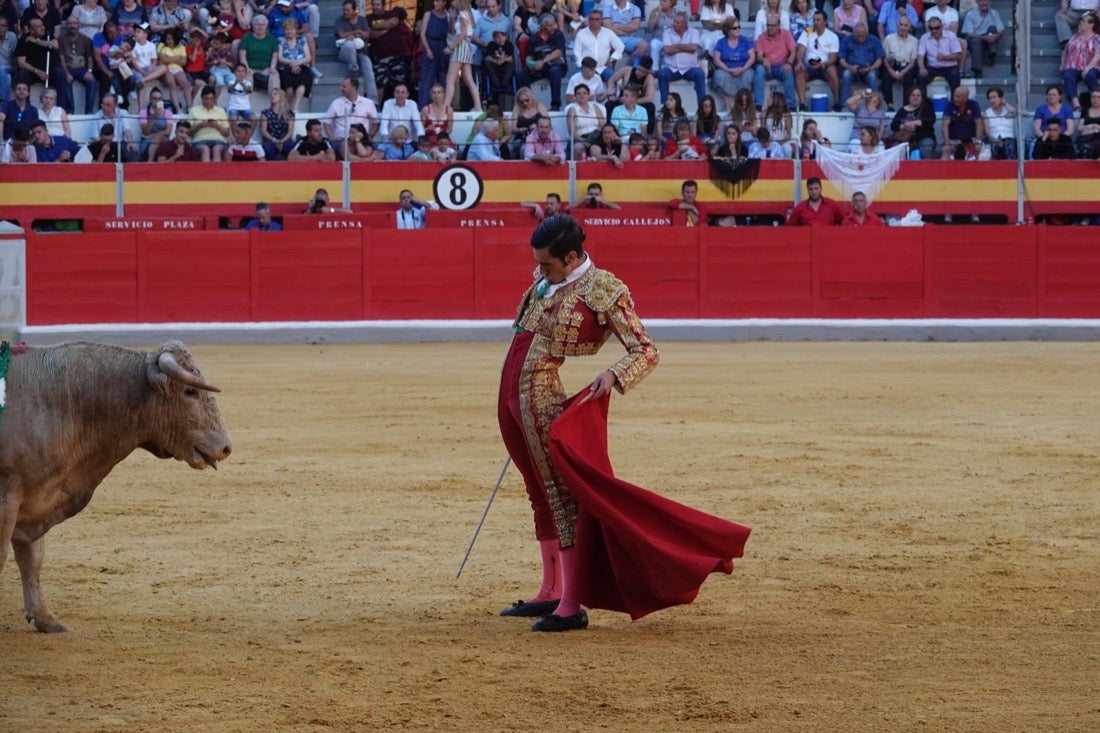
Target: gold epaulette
(603, 290)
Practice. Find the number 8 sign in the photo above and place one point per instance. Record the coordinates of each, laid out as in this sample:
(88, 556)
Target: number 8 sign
(458, 187)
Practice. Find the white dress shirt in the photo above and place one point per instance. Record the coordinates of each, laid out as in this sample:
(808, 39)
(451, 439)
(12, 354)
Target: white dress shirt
(603, 47)
(406, 114)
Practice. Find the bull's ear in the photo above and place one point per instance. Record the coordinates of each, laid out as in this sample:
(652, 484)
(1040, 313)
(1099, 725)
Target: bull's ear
(156, 377)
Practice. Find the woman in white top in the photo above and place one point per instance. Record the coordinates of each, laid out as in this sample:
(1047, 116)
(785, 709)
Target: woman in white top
(56, 119)
(761, 23)
(711, 15)
(585, 118)
(91, 16)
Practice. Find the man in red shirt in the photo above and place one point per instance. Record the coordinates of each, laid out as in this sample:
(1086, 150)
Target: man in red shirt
(859, 216)
(694, 213)
(816, 209)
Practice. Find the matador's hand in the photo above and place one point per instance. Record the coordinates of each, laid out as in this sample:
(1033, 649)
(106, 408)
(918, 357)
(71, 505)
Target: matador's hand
(602, 384)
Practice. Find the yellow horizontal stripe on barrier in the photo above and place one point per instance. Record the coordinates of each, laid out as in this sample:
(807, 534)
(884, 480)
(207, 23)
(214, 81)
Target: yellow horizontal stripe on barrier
(940, 189)
(1061, 189)
(67, 193)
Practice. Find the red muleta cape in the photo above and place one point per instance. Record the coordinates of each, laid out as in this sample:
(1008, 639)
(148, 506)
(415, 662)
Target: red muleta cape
(635, 551)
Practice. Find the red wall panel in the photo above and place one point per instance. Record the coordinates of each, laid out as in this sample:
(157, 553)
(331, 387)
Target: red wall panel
(187, 279)
(875, 273)
(504, 265)
(306, 275)
(1069, 272)
(981, 272)
(659, 264)
(755, 272)
(82, 278)
(419, 274)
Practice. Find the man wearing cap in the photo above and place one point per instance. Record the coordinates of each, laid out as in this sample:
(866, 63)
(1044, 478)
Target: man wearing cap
(352, 40)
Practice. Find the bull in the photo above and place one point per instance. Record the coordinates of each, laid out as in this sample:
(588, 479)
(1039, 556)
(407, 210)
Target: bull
(72, 413)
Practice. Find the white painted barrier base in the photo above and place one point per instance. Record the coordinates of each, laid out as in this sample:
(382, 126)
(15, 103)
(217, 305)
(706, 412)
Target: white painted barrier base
(751, 329)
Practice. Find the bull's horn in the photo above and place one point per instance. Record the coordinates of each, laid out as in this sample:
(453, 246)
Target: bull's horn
(172, 368)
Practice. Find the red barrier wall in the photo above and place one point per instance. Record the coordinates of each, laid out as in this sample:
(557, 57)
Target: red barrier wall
(673, 272)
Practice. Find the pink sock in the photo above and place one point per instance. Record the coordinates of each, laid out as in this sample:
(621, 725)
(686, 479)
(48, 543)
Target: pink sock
(551, 572)
(568, 605)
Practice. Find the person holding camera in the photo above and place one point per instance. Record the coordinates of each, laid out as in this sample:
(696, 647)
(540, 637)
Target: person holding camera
(593, 199)
(900, 63)
(319, 204)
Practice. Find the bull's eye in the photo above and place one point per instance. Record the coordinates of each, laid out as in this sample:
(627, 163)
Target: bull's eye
(190, 391)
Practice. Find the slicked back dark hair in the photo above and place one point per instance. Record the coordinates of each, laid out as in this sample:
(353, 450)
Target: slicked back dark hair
(561, 234)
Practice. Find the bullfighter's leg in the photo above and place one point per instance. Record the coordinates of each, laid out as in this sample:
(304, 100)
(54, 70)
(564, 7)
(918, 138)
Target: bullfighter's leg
(29, 556)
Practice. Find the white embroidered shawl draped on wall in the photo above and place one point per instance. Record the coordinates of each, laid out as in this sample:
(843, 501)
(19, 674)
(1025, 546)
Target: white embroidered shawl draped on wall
(858, 172)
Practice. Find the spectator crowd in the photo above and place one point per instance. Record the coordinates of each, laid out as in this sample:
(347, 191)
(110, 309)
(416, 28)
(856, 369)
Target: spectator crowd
(176, 80)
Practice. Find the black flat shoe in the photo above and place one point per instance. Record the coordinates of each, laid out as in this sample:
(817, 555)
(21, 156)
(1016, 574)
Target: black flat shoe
(576, 622)
(530, 610)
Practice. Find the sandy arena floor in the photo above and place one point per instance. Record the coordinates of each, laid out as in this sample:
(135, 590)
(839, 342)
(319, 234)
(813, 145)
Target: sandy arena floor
(924, 557)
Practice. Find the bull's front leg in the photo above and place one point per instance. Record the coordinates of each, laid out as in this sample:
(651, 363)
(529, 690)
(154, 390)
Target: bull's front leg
(9, 511)
(29, 556)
